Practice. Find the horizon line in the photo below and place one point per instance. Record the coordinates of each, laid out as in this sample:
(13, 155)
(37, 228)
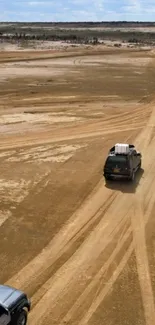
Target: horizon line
(80, 22)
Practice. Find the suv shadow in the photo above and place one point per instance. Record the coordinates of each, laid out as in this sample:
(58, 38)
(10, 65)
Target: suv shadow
(124, 185)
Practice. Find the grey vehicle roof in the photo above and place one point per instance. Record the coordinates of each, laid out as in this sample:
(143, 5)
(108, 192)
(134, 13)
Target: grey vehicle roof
(9, 296)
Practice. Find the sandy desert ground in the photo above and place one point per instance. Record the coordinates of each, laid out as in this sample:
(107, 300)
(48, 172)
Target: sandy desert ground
(83, 251)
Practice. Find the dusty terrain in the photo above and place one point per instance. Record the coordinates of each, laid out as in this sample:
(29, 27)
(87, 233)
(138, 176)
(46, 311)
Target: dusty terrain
(83, 251)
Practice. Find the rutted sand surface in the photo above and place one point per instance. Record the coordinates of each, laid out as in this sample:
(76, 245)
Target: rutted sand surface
(4, 215)
(9, 71)
(36, 118)
(45, 154)
(89, 261)
(61, 66)
(13, 190)
(15, 123)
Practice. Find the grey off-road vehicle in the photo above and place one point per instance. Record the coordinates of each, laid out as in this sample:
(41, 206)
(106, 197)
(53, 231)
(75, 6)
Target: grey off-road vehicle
(14, 306)
(123, 161)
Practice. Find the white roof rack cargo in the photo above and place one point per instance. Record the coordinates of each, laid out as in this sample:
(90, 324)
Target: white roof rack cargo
(122, 148)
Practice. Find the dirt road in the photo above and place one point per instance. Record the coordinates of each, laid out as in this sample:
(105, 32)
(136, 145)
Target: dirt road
(77, 246)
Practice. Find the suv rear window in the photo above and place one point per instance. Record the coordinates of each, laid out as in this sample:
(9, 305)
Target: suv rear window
(112, 160)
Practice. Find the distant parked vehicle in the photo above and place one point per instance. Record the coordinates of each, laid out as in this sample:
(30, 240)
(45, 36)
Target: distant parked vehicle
(123, 161)
(14, 306)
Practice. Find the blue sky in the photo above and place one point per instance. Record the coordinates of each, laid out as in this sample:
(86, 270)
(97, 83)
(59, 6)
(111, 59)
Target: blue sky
(77, 10)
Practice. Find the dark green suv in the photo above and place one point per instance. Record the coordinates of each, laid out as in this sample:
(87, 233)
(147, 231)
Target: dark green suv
(122, 164)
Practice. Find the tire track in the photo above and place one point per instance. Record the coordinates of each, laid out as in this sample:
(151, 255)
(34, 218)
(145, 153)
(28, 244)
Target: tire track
(139, 222)
(96, 280)
(138, 228)
(107, 287)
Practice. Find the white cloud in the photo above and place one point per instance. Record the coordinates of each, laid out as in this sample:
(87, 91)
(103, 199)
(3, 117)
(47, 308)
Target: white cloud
(36, 3)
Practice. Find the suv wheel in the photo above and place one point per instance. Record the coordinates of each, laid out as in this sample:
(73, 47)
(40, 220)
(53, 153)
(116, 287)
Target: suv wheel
(22, 318)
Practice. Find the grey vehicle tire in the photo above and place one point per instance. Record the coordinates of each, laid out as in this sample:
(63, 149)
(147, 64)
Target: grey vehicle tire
(22, 318)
